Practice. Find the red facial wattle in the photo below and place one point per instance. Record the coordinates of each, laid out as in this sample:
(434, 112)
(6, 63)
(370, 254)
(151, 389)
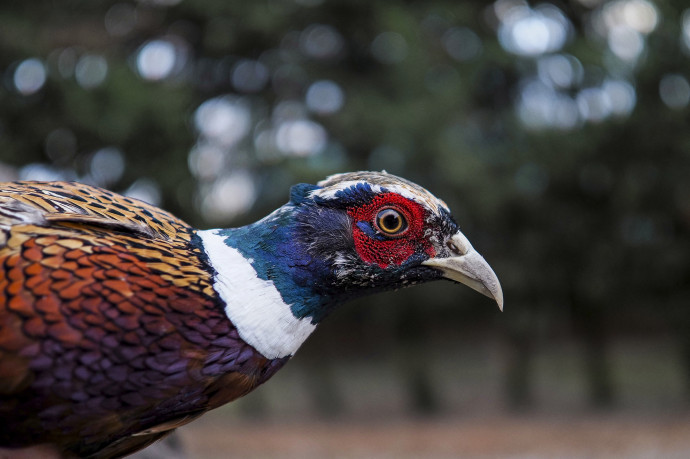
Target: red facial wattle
(386, 250)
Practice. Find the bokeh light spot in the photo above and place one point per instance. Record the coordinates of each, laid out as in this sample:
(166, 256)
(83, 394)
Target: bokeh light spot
(531, 32)
(61, 145)
(321, 41)
(206, 161)
(641, 15)
(91, 70)
(638, 15)
(674, 90)
(389, 48)
(461, 43)
(145, 189)
(107, 166)
(685, 29)
(289, 110)
(29, 76)
(156, 60)
(324, 97)
(621, 96)
(229, 196)
(626, 43)
(67, 60)
(301, 137)
(45, 172)
(593, 104)
(223, 120)
(559, 70)
(249, 76)
(540, 107)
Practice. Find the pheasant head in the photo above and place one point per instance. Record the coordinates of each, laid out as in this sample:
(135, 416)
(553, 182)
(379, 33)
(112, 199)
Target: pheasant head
(350, 235)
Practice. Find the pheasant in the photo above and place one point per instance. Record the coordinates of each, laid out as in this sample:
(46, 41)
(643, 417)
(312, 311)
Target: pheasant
(120, 322)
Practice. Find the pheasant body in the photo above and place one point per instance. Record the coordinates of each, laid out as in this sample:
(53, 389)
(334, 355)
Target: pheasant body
(109, 321)
(119, 322)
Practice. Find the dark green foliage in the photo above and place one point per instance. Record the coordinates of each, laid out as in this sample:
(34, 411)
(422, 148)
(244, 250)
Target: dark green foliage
(587, 227)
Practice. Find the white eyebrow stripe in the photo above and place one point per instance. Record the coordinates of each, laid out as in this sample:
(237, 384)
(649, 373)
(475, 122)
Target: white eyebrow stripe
(426, 199)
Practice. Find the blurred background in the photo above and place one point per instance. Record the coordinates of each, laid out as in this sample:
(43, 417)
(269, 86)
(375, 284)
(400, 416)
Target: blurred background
(558, 133)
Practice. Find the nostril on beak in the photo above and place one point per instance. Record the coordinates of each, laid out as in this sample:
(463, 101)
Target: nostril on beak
(454, 248)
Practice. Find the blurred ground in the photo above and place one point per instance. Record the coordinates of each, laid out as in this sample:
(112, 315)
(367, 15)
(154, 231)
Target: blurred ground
(650, 416)
(581, 436)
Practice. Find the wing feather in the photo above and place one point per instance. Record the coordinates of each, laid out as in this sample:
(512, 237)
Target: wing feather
(110, 331)
(39, 203)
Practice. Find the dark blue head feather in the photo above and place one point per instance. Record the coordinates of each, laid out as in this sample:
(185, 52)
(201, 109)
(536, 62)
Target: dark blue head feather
(306, 249)
(299, 193)
(357, 194)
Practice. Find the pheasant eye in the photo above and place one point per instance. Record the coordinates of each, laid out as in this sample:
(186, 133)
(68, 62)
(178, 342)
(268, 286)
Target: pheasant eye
(391, 222)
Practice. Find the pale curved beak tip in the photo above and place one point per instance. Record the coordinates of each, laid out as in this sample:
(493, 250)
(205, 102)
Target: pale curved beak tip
(472, 270)
(486, 283)
(499, 299)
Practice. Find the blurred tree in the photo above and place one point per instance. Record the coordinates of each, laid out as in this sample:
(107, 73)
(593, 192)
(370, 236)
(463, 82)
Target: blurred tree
(557, 131)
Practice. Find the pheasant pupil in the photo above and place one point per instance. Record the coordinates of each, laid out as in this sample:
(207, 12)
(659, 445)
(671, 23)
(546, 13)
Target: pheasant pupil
(390, 221)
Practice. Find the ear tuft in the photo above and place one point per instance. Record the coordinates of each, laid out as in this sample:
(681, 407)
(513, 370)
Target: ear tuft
(300, 192)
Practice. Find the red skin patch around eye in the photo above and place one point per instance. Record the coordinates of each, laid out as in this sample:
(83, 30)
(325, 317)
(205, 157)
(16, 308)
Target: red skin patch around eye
(393, 250)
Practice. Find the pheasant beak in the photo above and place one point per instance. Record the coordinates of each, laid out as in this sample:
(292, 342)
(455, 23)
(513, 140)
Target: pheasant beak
(468, 267)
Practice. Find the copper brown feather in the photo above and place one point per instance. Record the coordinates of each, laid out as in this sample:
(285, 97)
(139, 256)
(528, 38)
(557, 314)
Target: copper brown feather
(110, 332)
